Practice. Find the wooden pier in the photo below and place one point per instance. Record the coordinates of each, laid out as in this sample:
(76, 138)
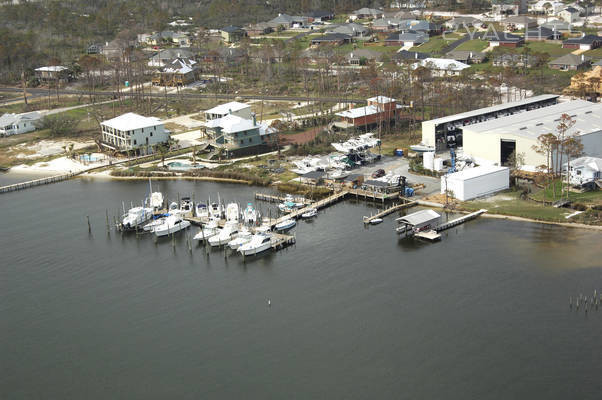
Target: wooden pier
(36, 182)
(390, 210)
(460, 220)
(272, 198)
(280, 241)
(317, 205)
(431, 235)
(374, 196)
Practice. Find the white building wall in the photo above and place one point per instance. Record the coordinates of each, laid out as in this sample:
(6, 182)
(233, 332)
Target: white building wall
(428, 133)
(473, 187)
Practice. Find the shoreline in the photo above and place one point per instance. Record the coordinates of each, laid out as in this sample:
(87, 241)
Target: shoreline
(188, 178)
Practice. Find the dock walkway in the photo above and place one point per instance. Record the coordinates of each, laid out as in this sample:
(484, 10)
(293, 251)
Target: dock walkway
(36, 182)
(390, 210)
(272, 198)
(459, 220)
(317, 205)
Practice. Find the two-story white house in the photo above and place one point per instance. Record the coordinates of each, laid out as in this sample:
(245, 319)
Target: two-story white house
(14, 124)
(133, 132)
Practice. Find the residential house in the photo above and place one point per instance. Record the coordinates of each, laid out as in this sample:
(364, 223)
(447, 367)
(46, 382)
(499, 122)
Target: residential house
(179, 72)
(463, 22)
(133, 132)
(232, 34)
(547, 7)
(585, 42)
(420, 26)
(115, 49)
(508, 7)
(320, 16)
(53, 73)
(240, 136)
(518, 23)
(94, 48)
(467, 57)
(336, 39)
(570, 62)
(409, 4)
(406, 57)
(166, 37)
(363, 56)
(225, 55)
(442, 66)
(261, 28)
(165, 57)
(366, 13)
(385, 24)
(380, 109)
(557, 25)
(513, 60)
(503, 39)
(285, 21)
(234, 107)
(15, 124)
(569, 14)
(407, 39)
(351, 29)
(541, 33)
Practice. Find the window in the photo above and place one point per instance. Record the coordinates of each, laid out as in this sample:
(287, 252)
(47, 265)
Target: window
(135, 141)
(151, 134)
(242, 141)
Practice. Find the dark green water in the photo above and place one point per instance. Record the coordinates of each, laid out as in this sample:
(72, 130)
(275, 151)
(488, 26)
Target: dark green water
(355, 314)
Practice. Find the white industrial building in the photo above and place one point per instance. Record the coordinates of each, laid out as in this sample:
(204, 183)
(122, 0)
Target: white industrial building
(442, 133)
(493, 142)
(14, 124)
(234, 107)
(476, 182)
(133, 132)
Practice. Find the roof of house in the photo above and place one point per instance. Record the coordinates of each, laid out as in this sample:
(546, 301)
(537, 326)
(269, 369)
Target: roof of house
(503, 37)
(331, 37)
(131, 121)
(9, 119)
(349, 29)
(231, 29)
(444, 64)
(519, 19)
(409, 55)
(499, 107)
(476, 172)
(381, 99)
(372, 182)
(541, 32)
(367, 11)
(531, 124)
(418, 25)
(360, 112)
(180, 66)
(52, 68)
(313, 175)
(364, 53)
(587, 39)
(466, 55)
(224, 109)
(570, 59)
(386, 22)
(320, 14)
(572, 10)
(411, 36)
(557, 24)
(232, 123)
(286, 19)
(170, 54)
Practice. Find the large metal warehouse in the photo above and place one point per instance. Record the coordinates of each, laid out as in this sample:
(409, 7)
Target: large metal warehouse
(442, 133)
(493, 142)
(476, 182)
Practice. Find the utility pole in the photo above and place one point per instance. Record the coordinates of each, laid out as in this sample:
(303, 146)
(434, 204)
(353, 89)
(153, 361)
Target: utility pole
(24, 86)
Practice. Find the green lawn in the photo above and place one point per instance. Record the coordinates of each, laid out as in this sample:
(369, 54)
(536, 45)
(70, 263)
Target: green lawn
(554, 50)
(595, 53)
(473, 45)
(434, 45)
(593, 197)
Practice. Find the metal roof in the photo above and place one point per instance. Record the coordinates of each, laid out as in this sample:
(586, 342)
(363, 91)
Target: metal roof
(419, 217)
(131, 121)
(531, 124)
(499, 107)
(226, 108)
(475, 172)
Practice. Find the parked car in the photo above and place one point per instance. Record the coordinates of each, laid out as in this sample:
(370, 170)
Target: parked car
(378, 173)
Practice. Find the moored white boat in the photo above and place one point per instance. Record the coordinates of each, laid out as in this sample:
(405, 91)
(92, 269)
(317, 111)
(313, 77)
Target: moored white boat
(232, 213)
(201, 210)
(250, 215)
(286, 225)
(243, 237)
(312, 212)
(171, 224)
(207, 231)
(136, 217)
(259, 242)
(225, 235)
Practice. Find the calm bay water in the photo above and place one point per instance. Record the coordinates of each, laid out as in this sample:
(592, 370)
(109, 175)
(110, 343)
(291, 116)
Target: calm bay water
(356, 313)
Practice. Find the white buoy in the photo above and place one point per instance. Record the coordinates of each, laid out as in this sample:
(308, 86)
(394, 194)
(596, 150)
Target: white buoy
(269, 302)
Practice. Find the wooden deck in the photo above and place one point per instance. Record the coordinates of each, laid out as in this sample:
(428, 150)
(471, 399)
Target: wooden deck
(272, 198)
(317, 205)
(280, 241)
(374, 196)
(390, 210)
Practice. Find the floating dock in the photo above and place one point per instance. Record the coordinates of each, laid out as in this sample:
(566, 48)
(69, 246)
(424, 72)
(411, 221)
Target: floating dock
(431, 235)
(390, 210)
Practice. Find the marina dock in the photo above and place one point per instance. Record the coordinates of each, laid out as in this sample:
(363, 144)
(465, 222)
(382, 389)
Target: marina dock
(317, 205)
(271, 198)
(280, 241)
(390, 210)
(36, 182)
